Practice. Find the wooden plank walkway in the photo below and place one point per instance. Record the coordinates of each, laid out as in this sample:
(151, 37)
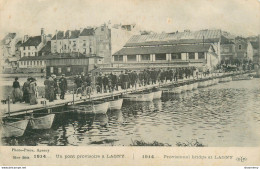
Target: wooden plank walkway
(23, 108)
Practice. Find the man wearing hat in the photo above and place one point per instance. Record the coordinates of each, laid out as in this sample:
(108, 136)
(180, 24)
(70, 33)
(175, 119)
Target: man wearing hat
(63, 86)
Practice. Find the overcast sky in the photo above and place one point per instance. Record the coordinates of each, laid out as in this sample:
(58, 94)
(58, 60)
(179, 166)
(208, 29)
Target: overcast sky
(240, 17)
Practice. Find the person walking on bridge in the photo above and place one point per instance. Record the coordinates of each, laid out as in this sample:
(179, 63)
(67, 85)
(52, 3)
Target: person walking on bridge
(63, 86)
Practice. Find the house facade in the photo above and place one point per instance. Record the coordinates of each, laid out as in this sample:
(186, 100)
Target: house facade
(32, 45)
(253, 50)
(70, 64)
(96, 41)
(32, 64)
(241, 49)
(168, 56)
(227, 50)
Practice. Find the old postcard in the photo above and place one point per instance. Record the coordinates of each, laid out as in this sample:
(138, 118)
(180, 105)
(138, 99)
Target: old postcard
(130, 82)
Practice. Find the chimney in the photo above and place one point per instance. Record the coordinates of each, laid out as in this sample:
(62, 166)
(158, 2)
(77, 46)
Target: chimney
(69, 33)
(43, 36)
(42, 31)
(26, 37)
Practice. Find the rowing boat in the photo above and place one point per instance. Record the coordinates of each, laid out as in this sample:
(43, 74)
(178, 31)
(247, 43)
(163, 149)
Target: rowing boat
(157, 94)
(14, 129)
(44, 122)
(115, 104)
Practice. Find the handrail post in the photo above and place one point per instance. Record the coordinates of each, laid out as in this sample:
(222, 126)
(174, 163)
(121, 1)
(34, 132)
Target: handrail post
(9, 105)
(73, 95)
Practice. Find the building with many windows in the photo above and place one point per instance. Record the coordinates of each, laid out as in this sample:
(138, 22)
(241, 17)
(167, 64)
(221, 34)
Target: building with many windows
(165, 56)
(70, 64)
(32, 45)
(95, 41)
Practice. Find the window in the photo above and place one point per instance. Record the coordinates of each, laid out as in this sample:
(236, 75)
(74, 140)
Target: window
(68, 69)
(118, 58)
(191, 55)
(35, 47)
(59, 69)
(24, 54)
(239, 47)
(29, 54)
(21, 63)
(131, 57)
(145, 57)
(32, 53)
(201, 55)
(51, 69)
(90, 50)
(161, 56)
(102, 28)
(85, 51)
(24, 48)
(226, 49)
(28, 47)
(65, 46)
(176, 56)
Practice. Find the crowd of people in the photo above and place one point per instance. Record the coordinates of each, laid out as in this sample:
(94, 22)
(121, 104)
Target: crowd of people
(29, 91)
(109, 82)
(99, 83)
(27, 94)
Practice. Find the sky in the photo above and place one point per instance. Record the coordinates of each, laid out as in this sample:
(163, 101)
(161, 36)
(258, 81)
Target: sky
(240, 17)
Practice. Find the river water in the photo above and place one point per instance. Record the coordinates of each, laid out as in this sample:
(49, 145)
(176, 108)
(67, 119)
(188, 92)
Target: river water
(223, 115)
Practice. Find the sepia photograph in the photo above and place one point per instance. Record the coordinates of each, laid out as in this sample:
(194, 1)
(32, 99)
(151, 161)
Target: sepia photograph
(132, 73)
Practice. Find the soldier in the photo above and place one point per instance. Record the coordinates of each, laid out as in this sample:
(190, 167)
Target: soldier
(63, 86)
(105, 82)
(99, 82)
(114, 81)
(126, 80)
(121, 80)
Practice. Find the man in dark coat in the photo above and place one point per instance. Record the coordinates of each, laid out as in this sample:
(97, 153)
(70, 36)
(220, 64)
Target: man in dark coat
(114, 81)
(63, 86)
(99, 83)
(120, 81)
(105, 82)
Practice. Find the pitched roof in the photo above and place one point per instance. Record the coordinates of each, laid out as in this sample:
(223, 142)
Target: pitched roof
(33, 41)
(19, 43)
(60, 35)
(255, 45)
(47, 47)
(187, 35)
(87, 32)
(74, 34)
(172, 42)
(163, 49)
(225, 40)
